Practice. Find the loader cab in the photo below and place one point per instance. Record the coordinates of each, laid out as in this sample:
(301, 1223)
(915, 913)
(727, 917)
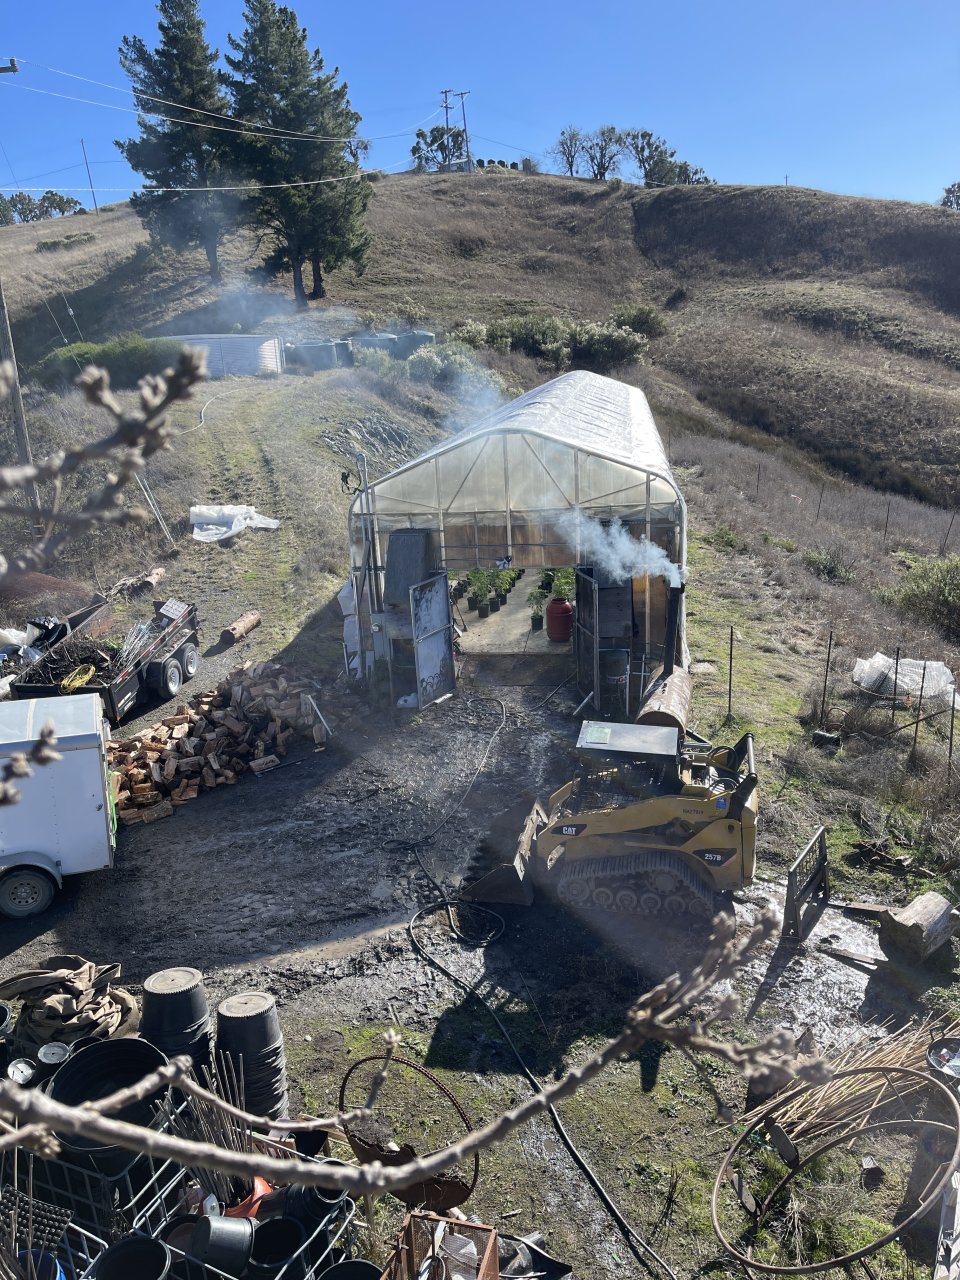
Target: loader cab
(623, 763)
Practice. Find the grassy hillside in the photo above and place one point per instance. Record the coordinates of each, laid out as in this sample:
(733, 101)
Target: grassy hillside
(826, 321)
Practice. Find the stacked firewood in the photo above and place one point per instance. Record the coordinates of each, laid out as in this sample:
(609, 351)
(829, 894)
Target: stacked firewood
(242, 726)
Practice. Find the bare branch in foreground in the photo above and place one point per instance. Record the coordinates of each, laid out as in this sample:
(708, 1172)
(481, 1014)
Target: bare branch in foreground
(137, 434)
(18, 766)
(654, 1017)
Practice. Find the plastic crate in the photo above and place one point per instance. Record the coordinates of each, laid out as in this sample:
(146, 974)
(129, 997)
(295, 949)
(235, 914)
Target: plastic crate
(105, 1205)
(76, 1250)
(415, 1245)
(306, 1264)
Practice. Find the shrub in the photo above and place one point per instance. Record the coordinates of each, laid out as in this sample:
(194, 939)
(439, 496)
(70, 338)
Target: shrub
(530, 335)
(65, 242)
(128, 358)
(930, 593)
(425, 364)
(377, 361)
(472, 333)
(602, 347)
(468, 242)
(452, 366)
(641, 318)
(832, 564)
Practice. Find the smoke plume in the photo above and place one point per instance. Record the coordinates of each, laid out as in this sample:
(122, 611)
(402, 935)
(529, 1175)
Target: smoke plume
(612, 549)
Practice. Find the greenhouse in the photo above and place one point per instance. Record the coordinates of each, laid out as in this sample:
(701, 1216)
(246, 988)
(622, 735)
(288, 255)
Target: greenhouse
(527, 485)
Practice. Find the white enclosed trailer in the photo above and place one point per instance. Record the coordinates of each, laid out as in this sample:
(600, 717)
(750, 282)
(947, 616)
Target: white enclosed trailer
(63, 823)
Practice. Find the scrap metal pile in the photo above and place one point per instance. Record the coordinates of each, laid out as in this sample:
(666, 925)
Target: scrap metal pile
(242, 726)
(78, 654)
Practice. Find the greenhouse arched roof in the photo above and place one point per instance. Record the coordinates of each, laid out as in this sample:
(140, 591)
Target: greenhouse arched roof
(581, 440)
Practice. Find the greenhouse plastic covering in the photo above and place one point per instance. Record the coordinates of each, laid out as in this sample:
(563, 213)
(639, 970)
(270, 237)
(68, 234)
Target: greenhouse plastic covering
(579, 441)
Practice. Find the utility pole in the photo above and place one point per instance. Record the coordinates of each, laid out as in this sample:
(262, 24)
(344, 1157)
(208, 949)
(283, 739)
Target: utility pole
(93, 194)
(24, 451)
(466, 136)
(446, 127)
(11, 66)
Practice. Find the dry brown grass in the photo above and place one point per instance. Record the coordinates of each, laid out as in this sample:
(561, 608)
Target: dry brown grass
(833, 319)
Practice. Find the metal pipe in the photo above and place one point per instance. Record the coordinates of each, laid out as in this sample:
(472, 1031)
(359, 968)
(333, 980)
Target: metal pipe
(826, 677)
(583, 703)
(672, 628)
(916, 730)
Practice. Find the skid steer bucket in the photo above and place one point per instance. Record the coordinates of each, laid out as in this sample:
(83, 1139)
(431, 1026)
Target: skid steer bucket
(506, 879)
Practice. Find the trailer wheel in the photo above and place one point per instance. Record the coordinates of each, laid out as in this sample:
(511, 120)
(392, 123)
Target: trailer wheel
(171, 678)
(189, 658)
(25, 891)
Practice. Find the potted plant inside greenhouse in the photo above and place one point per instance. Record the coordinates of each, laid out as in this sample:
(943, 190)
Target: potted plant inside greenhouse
(503, 583)
(536, 600)
(559, 611)
(477, 588)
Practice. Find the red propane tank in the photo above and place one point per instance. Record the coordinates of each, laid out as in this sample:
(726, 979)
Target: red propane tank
(559, 614)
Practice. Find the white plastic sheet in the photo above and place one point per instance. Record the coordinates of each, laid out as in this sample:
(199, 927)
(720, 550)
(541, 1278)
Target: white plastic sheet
(213, 523)
(878, 674)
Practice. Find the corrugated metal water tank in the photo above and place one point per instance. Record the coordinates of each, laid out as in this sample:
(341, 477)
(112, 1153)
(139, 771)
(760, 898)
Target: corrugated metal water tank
(413, 340)
(237, 354)
(319, 355)
(379, 341)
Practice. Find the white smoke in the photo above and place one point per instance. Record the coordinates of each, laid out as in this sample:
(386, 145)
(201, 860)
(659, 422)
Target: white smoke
(613, 549)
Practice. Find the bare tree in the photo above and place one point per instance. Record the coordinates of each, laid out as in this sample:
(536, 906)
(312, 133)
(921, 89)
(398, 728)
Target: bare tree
(568, 150)
(603, 151)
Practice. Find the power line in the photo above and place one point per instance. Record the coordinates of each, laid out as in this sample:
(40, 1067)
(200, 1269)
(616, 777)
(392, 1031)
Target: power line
(276, 135)
(258, 186)
(217, 115)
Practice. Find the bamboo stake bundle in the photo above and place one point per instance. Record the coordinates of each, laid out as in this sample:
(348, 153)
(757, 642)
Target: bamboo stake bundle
(850, 1102)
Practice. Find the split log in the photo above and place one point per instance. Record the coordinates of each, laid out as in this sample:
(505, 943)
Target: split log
(243, 625)
(264, 764)
(922, 926)
(162, 810)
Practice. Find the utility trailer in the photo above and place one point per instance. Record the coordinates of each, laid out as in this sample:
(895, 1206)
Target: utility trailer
(160, 657)
(63, 823)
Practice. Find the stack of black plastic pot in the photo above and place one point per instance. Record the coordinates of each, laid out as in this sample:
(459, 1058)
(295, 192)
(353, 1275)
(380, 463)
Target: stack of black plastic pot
(176, 1017)
(250, 1050)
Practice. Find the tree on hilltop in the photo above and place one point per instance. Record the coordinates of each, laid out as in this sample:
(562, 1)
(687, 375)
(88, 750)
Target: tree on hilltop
(951, 196)
(656, 162)
(603, 151)
(189, 147)
(23, 207)
(305, 158)
(568, 150)
(439, 150)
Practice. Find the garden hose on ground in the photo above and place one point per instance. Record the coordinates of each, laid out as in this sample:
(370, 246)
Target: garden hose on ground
(643, 1251)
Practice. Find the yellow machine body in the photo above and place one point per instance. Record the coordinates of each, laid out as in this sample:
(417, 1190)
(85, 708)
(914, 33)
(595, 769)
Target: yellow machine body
(653, 822)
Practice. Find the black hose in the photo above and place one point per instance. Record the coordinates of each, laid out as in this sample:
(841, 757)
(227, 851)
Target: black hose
(636, 1242)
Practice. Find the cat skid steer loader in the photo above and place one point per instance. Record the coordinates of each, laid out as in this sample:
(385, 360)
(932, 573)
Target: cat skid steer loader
(656, 820)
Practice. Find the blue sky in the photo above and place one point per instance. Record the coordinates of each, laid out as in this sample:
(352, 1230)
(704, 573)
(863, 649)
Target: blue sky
(850, 96)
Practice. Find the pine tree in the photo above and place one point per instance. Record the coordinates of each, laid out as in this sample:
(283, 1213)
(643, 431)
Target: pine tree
(277, 83)
(178, 152)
